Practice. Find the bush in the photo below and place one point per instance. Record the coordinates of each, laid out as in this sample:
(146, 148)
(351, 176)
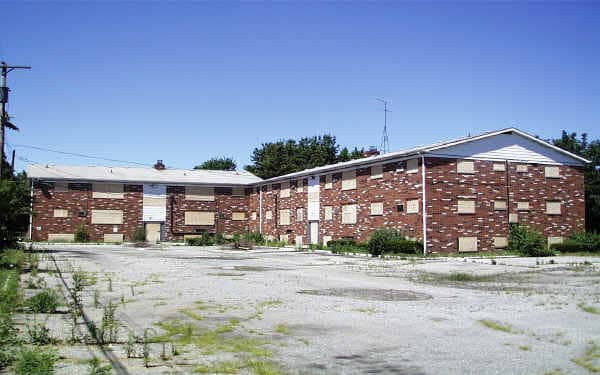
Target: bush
(43, 302)
(35, 361)
(344, 246)
(255, 237)
(204, 240)
(139, 235)
(39, 334)
(13, 259)
(579, 242)
(81, 234)
(528, 242)
(390, 241)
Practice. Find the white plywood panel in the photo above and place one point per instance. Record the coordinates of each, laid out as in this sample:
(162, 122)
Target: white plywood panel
(507, 147)
(64, 237)
(108, 191)
(349, 180)
(199, 218)
(500, 242)
(412, 165)
(412, 206)
(285, 190)
(284, 217)
(313, 207)
(154, 213)
(113, 237)
(238, 216)
(377, 208)
(61, 212)
(349, 214)
(467, 244)
(199, 193)
(107, 217)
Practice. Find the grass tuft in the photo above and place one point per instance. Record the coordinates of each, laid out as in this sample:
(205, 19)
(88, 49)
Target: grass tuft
(496, 326)
(590, 358)
(589, 309)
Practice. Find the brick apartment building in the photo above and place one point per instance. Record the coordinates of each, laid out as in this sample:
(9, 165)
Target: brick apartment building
(464, 192)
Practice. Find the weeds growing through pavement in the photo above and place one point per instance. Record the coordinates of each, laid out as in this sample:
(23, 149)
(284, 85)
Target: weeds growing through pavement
(496, 326)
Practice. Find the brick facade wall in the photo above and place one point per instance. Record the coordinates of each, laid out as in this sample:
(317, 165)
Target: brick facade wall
(444, 187)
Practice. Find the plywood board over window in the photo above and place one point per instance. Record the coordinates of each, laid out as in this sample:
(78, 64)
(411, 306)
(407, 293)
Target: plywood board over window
(349, 214)
(499, 167)
(552, 172)
(349, 180)
(412, 165)
(300, 214)
(284, 217)
(238, 191)
(377, 208)
(285, 190)
(328, 181)
(465, 166)
(521, 168)
(553, 208)
(238, 216)
(61, 212)
(107, 217)
(523, 206)
(328, 213)
(108, 191)
(466, 206)
(467, 244)
(500, 242)
(61, 187)
(299, 186)
(199, 193)
(199, 218)
(500, 205)
(253, 215)
(269, 215)
(376, 171)
(412, 206)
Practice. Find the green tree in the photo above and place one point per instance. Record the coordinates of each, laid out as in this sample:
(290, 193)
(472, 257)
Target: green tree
(591, 151)
(14, 209)
(218, 164)
(287, 156)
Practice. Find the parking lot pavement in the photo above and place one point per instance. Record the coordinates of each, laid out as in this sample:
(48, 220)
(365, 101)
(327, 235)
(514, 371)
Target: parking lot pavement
(323, 313)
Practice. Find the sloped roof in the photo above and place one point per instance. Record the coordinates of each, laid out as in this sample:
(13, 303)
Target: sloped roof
(422, 150)
(140, 175)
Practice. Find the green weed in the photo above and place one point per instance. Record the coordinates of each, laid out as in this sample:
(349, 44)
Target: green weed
(496, 326)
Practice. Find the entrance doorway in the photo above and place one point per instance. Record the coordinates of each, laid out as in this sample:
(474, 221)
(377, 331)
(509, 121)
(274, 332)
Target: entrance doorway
(153, 232)
(313, 232)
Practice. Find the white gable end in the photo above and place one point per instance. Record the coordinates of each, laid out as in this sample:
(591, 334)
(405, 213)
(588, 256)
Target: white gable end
(507, 147)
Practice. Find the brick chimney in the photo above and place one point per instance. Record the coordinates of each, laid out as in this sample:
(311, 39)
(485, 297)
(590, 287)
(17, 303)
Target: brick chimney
(372, 151)
(159, 165)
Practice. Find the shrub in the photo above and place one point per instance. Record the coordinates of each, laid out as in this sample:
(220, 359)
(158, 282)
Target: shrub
(35, 361)
(43, 302)
(256, 238)
(39, 334)
(81, 234)
(204, 240)
(584, 242)
(13, 259)
(219, 239)
(347, 246)
(527, 242)
(139, 235)
(390, 241)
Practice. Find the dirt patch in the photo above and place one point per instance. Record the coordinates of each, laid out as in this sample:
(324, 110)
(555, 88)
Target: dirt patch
(369, 294)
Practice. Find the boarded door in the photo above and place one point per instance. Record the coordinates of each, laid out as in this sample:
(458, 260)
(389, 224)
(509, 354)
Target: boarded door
(153, 232)
(314, 232)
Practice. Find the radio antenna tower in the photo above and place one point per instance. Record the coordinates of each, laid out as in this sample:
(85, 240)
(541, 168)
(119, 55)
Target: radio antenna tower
(385, 143)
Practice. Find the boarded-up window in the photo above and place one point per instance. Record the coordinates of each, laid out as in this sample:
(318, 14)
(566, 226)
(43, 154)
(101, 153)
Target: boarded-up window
(253, 215)
(110, 191)
(61, 212)
(284, 238)
(499, 167)
(500, 205)
(349, 180)
(285, 190)
(62, 237)
(328, 181)
(412, 206)
(238, 216)
(238, 192)
(553, 208)
(521, 168)
(377, 171)
(300, 186)
(199, 218)
(284, 217)
(298, 241)
(300, 214)
(328, 213)
(199, 193)
(513, 218)
(326, 240)
(107, 217)
(61, 187)
(553, 240)
(113, 237)
(269, 215)
(154, 201)
(466, 206)
(552, 172)
(465, 166)
(412, 165)
(377, 208)
(466, 244)
(500, 242)
(349, 214)
(523, 206)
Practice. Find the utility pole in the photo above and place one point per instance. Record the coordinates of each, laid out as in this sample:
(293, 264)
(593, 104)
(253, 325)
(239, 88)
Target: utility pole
(4, 118)
(385, 143)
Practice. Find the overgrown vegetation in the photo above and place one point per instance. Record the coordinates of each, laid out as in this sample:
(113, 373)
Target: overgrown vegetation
(44, 302)
(579, 242)
(528, 242)
(14, 207)
(496, 326)
(590, 358)
(81, 234)
(35, 361)
(139, 235)
(391, 241)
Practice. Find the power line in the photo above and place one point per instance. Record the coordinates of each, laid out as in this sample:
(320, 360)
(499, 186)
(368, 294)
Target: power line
(80, 155)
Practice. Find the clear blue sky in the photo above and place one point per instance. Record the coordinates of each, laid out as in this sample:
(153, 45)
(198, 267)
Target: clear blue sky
(185, 82)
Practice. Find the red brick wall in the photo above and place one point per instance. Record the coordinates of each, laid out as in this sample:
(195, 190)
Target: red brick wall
(224, 205)
(445, 186)
(79, 198)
